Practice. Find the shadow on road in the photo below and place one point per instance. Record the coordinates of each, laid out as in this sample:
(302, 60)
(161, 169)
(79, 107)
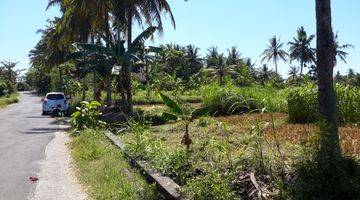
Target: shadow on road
(36, 117)
(44, 130)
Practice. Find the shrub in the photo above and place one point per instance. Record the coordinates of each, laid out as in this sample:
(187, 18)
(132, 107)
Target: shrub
(87, 116)
(210, 186)
(2, 88)
(302, 104)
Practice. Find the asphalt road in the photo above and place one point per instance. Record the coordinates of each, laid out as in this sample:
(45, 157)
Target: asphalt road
(24, 135)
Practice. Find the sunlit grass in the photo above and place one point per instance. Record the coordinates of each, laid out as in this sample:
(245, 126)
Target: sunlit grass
(103, 170)
(9, 99)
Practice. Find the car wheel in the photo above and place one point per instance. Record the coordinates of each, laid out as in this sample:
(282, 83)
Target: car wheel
(43, 113)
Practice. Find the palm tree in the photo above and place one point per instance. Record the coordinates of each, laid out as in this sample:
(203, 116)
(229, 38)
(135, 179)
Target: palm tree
(221, 70)
(148, 10)
(212, 56)
(339, 49)
(293, 72)
(325, 66)
(263, 74)
(301, 50)
(193, 59)
(81, 20)
(274, 52)
(233, 56)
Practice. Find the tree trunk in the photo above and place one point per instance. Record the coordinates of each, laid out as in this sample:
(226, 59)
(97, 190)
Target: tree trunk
(325, 65)
(108, 73)
(128, 87)
(108, 90)
(94, 84)
(94, 74)
(61, 79)
(83, 89)
(301, 69)
(276, 69)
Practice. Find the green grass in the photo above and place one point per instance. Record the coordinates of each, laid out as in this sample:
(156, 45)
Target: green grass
(103, 170)
(302, 104)
(9, 99)
(230, 99)
(218, 154)
(141, 97)
(226, 149)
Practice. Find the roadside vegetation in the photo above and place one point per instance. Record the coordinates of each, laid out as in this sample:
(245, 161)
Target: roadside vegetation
(219, 125)
(104, 171)
(9, 83)
(8, 99)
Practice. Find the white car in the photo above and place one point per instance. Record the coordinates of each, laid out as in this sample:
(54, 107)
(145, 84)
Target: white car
(53, 100)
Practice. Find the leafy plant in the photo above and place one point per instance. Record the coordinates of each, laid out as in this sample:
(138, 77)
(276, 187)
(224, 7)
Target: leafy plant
(178, 113)
(87, 116)
(211, 186)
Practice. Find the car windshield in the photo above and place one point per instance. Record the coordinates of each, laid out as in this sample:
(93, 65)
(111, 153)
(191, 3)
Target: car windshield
(55, 97)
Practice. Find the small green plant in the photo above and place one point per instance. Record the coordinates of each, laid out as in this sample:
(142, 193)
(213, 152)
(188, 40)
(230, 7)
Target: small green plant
(178, 113)
(204, 121)
(211, 186)
(87, 116)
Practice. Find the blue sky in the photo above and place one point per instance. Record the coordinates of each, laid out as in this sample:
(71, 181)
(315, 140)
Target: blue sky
(204, 23)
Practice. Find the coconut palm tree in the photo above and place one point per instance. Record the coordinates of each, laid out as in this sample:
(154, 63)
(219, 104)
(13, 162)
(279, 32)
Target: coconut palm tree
(81, 20)
(301, 50)
(221, 70)
(325, 65)
(263, 74)
(293, 72)
(233, 57)
(193, 59)
(148, 11)
(212, 56)
(339, 50)
(274, 52)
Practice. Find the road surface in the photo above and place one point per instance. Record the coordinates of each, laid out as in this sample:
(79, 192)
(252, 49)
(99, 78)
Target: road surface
(24, 135)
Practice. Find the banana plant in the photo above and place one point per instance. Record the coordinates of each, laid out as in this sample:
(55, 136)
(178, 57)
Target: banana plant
(115, 53)
(177, 113)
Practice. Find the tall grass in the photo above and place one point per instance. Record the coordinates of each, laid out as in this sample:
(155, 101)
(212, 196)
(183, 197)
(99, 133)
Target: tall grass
(104, 171)
(230, 99)
(9, 99)
(302, 104)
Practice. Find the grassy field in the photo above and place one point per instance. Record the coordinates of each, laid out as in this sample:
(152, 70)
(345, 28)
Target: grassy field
(104, 171)
(249, 146)
(6, 100)
(141, 97)
(228, 148)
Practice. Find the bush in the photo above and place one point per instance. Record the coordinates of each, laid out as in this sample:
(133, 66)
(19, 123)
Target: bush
(210, 186)
(2, 88)
(302, 104)
(87, 116)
